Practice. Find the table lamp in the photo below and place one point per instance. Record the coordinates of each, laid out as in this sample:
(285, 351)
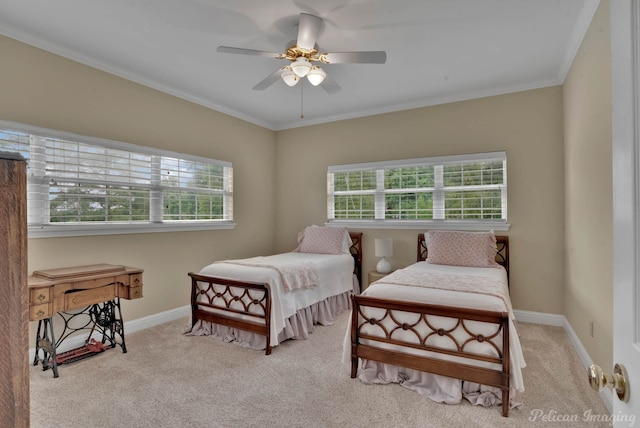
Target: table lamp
(384, 248)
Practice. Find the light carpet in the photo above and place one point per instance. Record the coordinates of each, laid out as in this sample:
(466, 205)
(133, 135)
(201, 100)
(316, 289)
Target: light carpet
(171, 380)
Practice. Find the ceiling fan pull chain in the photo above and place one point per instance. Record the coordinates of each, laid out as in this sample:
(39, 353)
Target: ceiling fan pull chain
(302, 100)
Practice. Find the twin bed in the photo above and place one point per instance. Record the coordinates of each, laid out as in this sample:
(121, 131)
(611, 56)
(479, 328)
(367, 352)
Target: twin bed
(443, 326)
(261, 301)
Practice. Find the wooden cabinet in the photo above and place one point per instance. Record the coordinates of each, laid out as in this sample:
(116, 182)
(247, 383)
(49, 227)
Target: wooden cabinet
(14, 295)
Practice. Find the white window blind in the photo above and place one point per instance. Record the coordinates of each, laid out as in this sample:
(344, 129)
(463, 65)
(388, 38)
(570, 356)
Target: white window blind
(469, 189)
(81, 181)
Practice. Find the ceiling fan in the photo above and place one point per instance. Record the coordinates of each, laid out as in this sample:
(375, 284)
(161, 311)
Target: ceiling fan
(304, 53)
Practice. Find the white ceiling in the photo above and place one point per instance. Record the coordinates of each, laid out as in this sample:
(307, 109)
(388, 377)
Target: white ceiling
(437, 50)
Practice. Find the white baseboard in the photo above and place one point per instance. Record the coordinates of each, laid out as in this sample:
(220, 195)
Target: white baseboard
(129, 327)
(157, 319)
(540, 318)
(561, 321)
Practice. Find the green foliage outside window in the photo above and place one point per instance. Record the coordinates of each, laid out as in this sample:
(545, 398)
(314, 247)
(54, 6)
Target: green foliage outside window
(416, 205)
(89, 203)
(354, 181)
(409, 178)
(485, 204)
(450, 191)
(181, 201)
(409, 206)
(89, 181)
(355, 207)
(473, 204)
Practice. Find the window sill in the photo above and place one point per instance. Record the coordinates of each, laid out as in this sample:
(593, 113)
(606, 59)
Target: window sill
(421, 224)
(124, 228)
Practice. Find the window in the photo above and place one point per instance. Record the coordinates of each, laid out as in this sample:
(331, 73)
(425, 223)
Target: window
(83, 185)
(467, 191)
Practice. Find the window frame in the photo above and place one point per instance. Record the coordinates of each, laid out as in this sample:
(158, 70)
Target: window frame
(154, 224)
(378, 222)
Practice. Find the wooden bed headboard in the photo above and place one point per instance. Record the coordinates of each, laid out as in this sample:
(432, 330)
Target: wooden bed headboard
(502, 256)
(356, 252)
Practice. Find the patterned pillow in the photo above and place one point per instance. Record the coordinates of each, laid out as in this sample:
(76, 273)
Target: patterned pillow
(323, 240)
(475, 249)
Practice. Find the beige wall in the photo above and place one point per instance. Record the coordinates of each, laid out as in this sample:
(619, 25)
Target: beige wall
(528, 125)
(588, 191)
(42, 89)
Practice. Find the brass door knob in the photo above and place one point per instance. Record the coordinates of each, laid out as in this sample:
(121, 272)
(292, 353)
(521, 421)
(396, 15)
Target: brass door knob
(616, 380)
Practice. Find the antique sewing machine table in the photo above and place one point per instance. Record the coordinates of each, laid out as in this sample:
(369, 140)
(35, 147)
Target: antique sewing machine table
(85, 298)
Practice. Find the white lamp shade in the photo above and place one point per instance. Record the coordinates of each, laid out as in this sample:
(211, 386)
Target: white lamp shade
(316, 75)
(301, 66)
(384, 247)
(289, 77)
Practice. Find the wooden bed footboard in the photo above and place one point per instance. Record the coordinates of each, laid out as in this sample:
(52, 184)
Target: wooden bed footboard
(414, 337)
(250, 300)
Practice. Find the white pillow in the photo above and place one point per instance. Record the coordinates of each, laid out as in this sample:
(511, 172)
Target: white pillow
(324, 240)
(457, 248)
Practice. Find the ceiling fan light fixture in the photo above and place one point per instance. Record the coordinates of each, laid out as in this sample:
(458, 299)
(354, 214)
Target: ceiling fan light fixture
(289, 77)
(316, 75)
(301, 66)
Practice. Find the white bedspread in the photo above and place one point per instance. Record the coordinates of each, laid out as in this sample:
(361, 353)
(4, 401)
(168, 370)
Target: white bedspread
(461, 298)
(294, 274)
(335, 273)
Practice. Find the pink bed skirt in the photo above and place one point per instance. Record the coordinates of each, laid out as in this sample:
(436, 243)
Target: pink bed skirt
(440, 389)
(298, 326)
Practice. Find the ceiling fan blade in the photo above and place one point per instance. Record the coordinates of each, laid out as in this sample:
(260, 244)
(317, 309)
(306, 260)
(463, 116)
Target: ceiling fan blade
(330, 85)
(242, 51)
(365, 57)
(269, 80)
(308, 30)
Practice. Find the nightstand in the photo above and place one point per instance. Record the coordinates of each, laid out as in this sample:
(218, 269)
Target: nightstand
(375, 275)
